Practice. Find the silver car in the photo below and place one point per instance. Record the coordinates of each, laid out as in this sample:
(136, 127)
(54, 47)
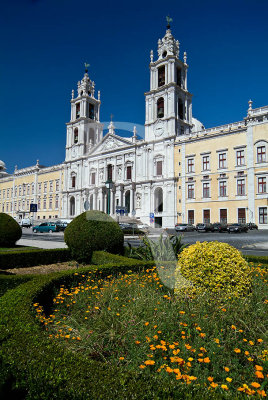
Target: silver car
(184, 228)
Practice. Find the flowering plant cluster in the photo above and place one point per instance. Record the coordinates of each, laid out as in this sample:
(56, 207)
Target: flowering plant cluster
(212, 268)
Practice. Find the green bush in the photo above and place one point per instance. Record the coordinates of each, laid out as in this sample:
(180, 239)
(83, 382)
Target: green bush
(90, 231)
(10, 231)
(30, 258)
(214, 268)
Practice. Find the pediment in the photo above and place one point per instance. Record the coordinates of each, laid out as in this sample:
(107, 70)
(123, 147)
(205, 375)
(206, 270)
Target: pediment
(110, 142)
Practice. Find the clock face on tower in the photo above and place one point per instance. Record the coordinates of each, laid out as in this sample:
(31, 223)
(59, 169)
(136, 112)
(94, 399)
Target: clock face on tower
(159, 129)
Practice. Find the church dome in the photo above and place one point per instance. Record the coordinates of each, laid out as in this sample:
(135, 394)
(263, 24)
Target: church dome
(197, 126)
(2, 165)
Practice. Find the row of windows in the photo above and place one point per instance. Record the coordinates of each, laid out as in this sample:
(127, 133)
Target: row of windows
(28, 189)
(25, 205)
(222, 159)
(240, 188)
(241, 216)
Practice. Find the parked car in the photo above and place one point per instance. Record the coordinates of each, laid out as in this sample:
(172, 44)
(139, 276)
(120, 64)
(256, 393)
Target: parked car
(219, 227)
(143, 227)
(184, 228)
(61, 225)
(204, 228)
(25, 223)
(251, 226)
(46, 227)
(237, 228)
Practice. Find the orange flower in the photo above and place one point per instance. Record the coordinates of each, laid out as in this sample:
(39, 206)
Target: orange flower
(255, 385)
(214, 385)
(206, 360)
(210, 379)
(247, 353)
(258, 368)
(146, 323)
(142, 366)
(121, 358)
(261, 393)
(259, 340)
(227, 369)
(149, 362)
(259, 374)
(237, 350)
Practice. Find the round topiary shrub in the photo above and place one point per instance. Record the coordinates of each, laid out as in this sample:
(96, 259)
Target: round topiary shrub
(212, 267)
(10, 231)
(91, 231)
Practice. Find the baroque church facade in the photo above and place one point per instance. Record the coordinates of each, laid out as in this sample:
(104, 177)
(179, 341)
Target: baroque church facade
(140, 173)
(161, 179)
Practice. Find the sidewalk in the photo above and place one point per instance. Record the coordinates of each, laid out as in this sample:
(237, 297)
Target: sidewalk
(42, 244)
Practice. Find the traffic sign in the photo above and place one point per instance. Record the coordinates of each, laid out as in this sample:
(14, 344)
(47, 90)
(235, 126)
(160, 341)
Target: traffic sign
(33, 207)
(121, 210)
(151, 215)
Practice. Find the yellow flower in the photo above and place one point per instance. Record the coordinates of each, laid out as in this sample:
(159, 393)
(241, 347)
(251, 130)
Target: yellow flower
(229, 379)
(224, 387)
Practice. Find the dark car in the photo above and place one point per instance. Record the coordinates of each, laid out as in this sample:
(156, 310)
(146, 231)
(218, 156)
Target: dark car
(204, 228)
(184, 228)
(251, 226)
(237, 228)
(61, 226)
(219, 227)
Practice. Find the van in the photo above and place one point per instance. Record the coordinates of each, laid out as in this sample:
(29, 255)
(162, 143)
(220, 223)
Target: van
(25, 223)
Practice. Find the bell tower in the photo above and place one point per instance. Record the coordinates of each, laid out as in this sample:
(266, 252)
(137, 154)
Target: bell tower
(84, 131)
(168, 103)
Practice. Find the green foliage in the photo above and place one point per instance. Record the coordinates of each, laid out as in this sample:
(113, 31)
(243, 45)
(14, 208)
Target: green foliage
(212, 268)
(90, 231)
(8, 282)
(36, 367)
(30, 258)
(10, 231)
(164, 249)
(257, 259)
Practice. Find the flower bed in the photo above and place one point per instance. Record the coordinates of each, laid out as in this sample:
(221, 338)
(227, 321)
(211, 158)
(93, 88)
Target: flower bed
(155, 348)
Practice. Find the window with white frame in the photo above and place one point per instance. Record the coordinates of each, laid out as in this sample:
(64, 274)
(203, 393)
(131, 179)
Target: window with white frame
(32, 188)
(206, 189)
(57, 202)
(263, 215)
(241, 187)
(222, 160)
(39, 187)
(240, 158)
(261, 154)
(7, 193)
(51, 186)
(57, 185)
(50, 202)
(28, 189)
(93, 178)
(223, 188)
(45, 203)
(262, 185)
(205, 163)
(45, 187)
(190, 165)
(4, 193)
(190, 191)
(159, 167)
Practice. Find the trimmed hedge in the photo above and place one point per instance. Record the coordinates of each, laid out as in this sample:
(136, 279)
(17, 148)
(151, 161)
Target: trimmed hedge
(256, 259)
(91, 231)
(10, 231)
(30, 258)
(38, 368)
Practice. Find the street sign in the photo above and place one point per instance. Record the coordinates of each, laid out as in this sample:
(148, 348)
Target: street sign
(151, 215)
(33, 207)
(86, 205)
(121, 210)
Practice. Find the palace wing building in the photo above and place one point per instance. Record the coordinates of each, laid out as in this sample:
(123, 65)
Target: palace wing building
(180, 171)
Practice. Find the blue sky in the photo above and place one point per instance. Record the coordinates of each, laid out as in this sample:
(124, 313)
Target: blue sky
(45, 43)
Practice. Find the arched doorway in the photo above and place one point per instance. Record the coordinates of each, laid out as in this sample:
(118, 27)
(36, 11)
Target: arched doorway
(158, 206)
(72, 206)
(127, 200)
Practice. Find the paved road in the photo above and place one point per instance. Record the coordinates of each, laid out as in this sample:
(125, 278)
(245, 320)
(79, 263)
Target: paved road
(252, 242)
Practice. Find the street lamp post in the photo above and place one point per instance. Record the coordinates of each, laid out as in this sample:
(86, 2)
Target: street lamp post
(109, 185)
